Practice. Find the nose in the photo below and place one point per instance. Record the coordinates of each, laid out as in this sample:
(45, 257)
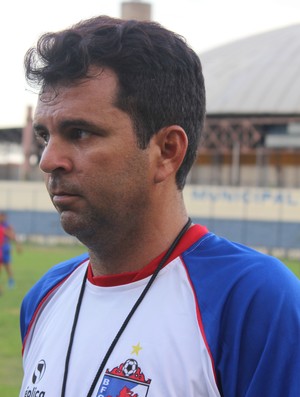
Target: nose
(55, 156)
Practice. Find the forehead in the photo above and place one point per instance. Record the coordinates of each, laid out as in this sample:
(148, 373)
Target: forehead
(98, 91)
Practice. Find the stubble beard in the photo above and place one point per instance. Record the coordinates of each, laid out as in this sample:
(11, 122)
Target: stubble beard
(107, 233)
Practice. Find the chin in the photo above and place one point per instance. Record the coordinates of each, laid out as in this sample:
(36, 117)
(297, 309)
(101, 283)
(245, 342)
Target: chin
(70, 223)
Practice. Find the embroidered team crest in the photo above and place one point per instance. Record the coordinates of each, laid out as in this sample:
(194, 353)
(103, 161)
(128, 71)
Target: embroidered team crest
(126, 380)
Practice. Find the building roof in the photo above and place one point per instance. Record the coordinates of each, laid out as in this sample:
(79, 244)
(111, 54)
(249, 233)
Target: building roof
(12, 135)
(256, 75)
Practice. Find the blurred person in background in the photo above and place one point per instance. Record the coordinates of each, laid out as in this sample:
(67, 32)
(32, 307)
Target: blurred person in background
(1, 250)
(9, 238)
(159, 306)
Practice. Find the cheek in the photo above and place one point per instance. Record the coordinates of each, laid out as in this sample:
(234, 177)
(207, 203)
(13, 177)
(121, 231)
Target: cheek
(120, 171)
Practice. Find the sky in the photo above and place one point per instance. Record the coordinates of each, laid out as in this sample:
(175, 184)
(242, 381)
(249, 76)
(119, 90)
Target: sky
(206, 24)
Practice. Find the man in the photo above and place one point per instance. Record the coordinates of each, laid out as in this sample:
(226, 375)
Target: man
(158, 306)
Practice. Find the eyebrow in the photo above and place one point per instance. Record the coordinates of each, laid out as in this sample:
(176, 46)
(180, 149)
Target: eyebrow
(76, 122)
(79, 123)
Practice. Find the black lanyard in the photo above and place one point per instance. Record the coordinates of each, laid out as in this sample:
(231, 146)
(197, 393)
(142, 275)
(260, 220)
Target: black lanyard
(125, 323)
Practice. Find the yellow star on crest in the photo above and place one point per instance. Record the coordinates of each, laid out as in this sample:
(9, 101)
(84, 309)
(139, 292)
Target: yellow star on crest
(136, 349)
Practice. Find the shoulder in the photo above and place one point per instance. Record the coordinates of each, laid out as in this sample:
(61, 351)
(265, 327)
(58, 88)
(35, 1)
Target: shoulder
(249, 304)
(47, 283)
(225, 274)
(219, 261)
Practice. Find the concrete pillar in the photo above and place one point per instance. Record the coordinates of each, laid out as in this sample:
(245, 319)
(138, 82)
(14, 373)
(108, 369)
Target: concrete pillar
(136, 10)
(27, 138)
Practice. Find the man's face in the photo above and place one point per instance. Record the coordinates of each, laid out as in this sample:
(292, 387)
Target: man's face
(97, 177)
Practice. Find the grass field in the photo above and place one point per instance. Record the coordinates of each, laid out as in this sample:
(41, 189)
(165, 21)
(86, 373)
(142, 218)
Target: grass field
(28, 267)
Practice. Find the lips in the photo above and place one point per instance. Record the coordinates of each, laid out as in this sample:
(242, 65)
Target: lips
(62, 193)
(63, 198)
(56, 189)
(64, 201)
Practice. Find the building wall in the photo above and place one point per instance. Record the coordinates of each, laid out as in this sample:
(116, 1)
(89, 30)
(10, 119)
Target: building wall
(264, 218)
(273, 172)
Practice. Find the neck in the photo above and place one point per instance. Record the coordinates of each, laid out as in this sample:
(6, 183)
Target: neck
(132, 250)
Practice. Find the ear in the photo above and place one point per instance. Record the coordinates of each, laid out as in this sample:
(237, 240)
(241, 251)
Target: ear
(170, 144)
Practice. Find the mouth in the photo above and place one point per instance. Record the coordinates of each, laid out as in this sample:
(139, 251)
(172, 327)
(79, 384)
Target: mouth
(63, 194)
(63, 199)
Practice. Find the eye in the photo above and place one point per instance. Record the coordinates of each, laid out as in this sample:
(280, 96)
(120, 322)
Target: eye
(42, 137)
(78, 133)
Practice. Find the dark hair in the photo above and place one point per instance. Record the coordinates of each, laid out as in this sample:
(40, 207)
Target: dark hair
(160, 76)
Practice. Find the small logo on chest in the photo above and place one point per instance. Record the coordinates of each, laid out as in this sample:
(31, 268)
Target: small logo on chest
(126, 380)
(39, 372)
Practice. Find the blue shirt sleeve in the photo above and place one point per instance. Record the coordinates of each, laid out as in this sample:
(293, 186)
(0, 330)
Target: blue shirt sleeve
(250, 309)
